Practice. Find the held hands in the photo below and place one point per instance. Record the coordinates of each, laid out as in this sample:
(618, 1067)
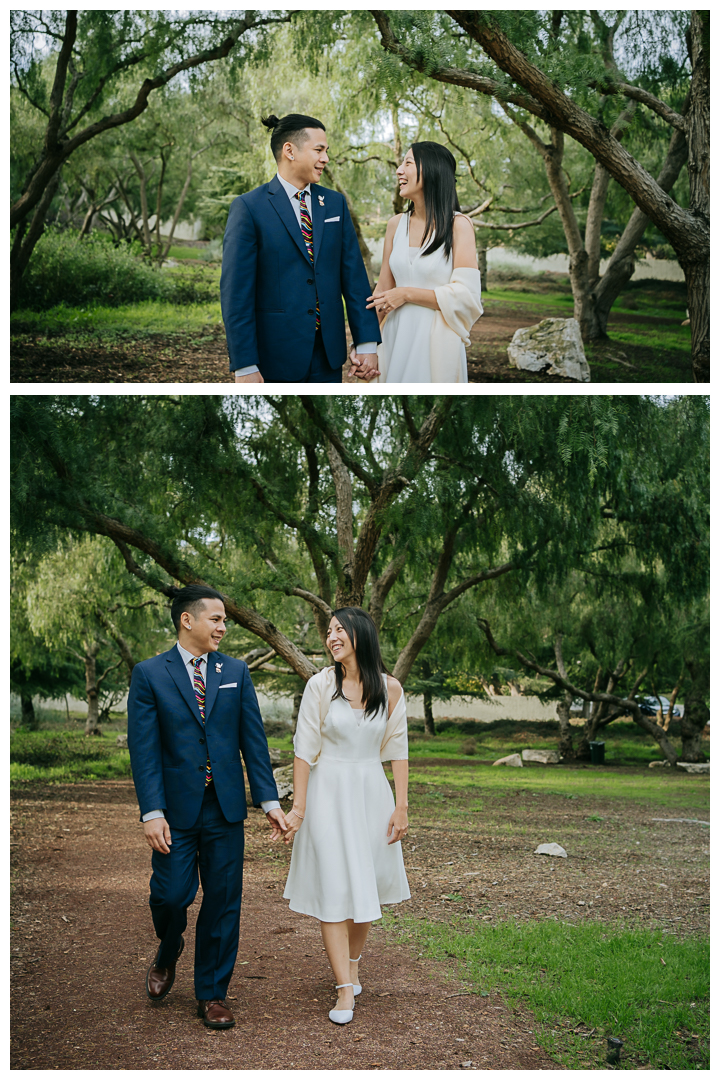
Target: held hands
(157, 834)
(294, 820)
(385, 302)
(279, 823)
(397, 826)
(364, 365)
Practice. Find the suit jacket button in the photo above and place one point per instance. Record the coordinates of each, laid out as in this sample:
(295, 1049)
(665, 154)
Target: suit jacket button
(201, 768)
(201, 741)
(311, 311)
(310, 281)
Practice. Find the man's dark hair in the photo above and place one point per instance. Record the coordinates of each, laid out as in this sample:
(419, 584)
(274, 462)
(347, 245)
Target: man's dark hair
(191, 599)
(292, 128)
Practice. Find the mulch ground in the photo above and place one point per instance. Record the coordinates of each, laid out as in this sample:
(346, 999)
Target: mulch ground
(82, 937)
(182, 358)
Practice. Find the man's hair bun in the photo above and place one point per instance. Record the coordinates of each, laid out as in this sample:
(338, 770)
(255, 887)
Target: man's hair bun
(271, 121)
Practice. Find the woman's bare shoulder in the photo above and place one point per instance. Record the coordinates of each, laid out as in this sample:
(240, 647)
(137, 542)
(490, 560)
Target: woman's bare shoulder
(463, 226)
(394, 691)
(393, 224)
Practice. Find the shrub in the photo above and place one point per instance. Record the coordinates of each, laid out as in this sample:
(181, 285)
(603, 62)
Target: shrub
(49, 748)
(468, 746)
(65, 270)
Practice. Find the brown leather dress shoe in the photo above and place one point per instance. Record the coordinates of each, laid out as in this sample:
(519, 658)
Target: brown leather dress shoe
(216, 1014)
(158, 981)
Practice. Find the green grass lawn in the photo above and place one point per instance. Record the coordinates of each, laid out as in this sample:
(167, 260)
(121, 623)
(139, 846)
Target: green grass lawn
(584, 983)
(86, 325)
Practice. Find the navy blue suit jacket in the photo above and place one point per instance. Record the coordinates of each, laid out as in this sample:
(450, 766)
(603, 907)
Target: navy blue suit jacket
(269, 285)
(168, 744)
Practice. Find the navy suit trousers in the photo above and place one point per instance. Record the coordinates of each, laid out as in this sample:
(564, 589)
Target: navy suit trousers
(214, 848)
(320, 370)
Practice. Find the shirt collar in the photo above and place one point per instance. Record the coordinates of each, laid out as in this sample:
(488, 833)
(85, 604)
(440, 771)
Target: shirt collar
(291, 189)
(188, 656)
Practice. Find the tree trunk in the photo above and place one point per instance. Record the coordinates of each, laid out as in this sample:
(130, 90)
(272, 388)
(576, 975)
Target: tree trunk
(579, 264)
(428, 713)
(697, 713)
(28, 719)
(621, 267)
(697, 264)
(482, 264)
(565, 743)
(92, 723)
(297, 698)
(21, 251)
(143, 202)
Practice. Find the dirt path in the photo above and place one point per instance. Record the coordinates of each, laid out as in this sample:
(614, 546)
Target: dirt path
(82, 940)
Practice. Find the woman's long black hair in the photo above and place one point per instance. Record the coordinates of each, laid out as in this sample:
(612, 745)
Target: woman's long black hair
(436, 169)
(360, 628)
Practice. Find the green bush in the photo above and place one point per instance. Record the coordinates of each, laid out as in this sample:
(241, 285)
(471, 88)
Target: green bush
(49, 748)
(65, 270)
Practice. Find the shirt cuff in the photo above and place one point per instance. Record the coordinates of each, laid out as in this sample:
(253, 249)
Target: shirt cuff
(250, 370)
(270, 804)
(152, 815)
(366, 347)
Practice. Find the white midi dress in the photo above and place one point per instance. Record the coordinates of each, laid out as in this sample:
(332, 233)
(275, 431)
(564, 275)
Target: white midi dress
(421, 345)
(342, 866)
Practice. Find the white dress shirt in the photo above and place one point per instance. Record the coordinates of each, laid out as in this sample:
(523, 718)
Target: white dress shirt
(187, 658)
(291, 191)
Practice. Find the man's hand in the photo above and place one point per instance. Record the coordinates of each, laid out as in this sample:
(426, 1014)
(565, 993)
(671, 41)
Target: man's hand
(278, 821)
(364, 365)
(157, 834)
(255, 377)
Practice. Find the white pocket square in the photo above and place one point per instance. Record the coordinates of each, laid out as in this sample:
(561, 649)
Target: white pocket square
(227, 685)
(329, 219)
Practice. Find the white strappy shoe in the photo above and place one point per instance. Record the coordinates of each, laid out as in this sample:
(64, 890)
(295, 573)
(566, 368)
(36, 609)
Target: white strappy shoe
(341, 1016)
(357, 986)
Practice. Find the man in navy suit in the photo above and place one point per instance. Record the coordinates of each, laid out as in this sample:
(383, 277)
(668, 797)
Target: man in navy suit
(290, 256)
(191, 712)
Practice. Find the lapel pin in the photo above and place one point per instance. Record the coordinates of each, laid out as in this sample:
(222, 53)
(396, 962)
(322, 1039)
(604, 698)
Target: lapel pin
(218, 668)
(321, 200)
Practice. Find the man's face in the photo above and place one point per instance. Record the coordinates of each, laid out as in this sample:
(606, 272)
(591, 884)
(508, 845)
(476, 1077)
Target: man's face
(203, 632)
(311, 157)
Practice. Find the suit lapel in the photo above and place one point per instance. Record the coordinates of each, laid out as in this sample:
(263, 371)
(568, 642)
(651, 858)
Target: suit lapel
(182, 681)
(318, 220)
(277, 197)
(212, 682)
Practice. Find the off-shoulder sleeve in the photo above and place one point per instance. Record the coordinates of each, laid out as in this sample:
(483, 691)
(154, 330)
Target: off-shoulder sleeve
(394, 746)
(308, 738)
(460, 302)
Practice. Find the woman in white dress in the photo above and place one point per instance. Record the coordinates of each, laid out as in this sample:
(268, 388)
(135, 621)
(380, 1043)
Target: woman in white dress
(429, 285)
(346, 860)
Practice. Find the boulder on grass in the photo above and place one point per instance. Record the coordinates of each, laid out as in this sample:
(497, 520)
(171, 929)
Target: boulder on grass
(121, 740)
(284, 781)
(275, 755)
(659, 765)
(511, 759)
(554, 346)
(699, 767)
(545, 757)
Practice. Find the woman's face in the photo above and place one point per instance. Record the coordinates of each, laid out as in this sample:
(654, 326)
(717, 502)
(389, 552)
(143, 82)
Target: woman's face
(339, 642)
(409, 177)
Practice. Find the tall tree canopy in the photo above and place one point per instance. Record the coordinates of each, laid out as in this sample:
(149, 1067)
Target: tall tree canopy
(291, 506)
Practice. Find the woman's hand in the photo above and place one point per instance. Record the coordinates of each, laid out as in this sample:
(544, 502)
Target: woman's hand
(389, 300)
(397, 826)
(293, 820)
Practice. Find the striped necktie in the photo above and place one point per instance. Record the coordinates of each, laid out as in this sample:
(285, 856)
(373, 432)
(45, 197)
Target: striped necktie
(306, 228)
(199, 686)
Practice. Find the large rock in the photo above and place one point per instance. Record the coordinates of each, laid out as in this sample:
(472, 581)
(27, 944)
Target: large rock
(511, 759)
(554, 346)
(695, 767)
(275, 755)
(121, 740)
(551, 849)
(284, 781)
(545, 757)
(659, 765)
